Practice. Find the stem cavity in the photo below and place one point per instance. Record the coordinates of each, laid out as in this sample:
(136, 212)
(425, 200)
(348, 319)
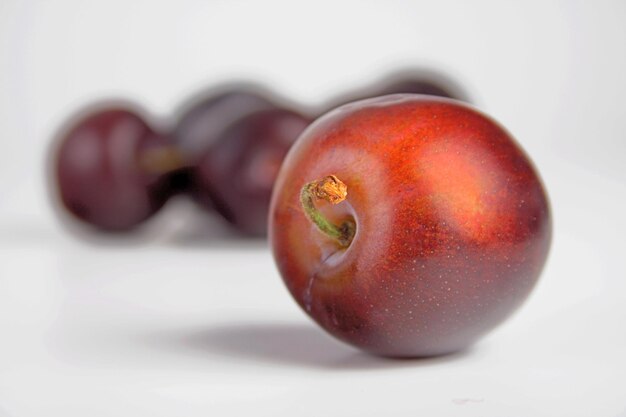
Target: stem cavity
(334, 191)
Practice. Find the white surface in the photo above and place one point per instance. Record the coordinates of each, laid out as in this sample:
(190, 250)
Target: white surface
(180, 322)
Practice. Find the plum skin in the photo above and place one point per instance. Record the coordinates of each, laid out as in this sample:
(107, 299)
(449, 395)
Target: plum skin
(238, 171)
(99, 175)
(453, 225)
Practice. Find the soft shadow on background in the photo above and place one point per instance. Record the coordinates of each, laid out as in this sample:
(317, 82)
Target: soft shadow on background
(179, 224)
(288, 344)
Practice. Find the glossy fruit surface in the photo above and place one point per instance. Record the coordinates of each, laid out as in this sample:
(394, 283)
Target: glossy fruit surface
(452, 225)
(105, 169)
(239, 169)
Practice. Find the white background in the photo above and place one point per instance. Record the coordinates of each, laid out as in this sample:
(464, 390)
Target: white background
(185, 320)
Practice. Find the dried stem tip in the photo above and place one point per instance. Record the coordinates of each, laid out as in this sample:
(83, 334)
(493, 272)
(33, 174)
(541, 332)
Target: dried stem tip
(331, 189)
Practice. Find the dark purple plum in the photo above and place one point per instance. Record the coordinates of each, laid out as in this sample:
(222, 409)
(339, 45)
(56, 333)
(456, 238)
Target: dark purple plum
(112, 169)
(202, 123)
(238, 171)
(422, 82)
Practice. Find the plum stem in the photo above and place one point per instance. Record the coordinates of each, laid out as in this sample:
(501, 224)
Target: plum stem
(334, 191)
(161, 159)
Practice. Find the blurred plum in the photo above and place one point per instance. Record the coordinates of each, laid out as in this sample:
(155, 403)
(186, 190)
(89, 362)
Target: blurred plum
(238, 171)
(204, 121)
(412, 81)
(112, 169)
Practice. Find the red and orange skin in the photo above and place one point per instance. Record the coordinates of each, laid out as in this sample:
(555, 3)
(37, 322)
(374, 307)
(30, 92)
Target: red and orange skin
(453, 225)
